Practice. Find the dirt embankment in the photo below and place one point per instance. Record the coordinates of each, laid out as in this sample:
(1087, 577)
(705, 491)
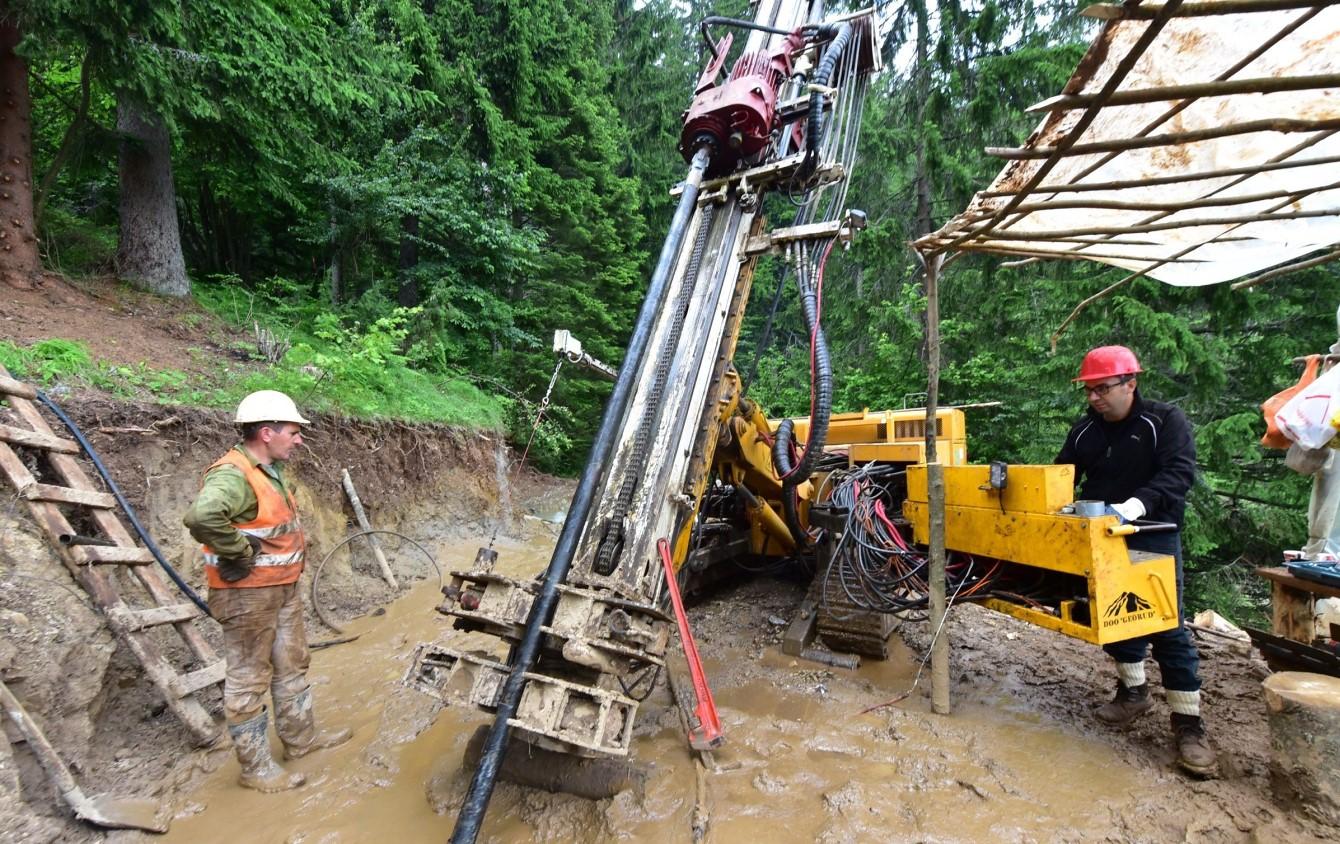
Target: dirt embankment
(88, 693)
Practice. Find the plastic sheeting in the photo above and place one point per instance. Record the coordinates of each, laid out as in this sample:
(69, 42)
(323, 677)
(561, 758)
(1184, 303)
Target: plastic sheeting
(1201, 245)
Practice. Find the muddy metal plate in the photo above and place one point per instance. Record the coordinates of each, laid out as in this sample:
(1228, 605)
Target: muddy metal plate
(595, 629)
(580, 718)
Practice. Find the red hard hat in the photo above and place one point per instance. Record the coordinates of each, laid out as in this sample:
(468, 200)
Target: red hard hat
(1107, 361)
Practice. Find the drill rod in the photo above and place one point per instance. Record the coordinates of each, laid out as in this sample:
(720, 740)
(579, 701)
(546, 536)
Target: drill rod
(481, 785)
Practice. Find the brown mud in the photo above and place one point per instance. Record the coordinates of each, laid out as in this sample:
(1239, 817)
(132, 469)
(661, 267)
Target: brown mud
(1020, 759)
(90, 696)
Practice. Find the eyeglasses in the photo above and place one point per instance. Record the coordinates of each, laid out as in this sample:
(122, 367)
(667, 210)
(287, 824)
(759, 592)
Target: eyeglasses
(1101, 390)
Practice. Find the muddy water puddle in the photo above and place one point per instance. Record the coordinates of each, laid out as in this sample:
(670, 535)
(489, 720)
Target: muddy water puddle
(801, 764)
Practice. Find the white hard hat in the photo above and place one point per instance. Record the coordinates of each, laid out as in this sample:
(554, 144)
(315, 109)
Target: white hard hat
(268, 406)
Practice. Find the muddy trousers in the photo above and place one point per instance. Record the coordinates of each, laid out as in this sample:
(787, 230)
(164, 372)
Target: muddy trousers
(1173, 649)
(265, 646)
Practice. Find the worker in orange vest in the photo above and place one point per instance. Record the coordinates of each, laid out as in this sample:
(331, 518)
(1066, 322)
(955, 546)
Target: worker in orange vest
(1139, 455)
(246, 519)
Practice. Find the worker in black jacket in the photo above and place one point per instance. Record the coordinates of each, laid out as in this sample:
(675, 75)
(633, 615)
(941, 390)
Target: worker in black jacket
(1139, 456)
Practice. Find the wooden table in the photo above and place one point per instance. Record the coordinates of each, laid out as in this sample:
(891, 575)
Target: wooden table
(1292, 603)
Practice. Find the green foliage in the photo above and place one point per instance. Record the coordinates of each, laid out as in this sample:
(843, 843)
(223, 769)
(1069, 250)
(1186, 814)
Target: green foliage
(417, 194)
(47, 360)
(69, 362)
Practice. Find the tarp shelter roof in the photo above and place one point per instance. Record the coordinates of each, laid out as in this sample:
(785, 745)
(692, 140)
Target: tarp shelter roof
(1197, 142)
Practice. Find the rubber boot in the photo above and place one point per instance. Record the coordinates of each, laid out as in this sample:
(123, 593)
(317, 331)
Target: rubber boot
(1195, 755)
(295, 721)
(251, 742)
(1129, 703)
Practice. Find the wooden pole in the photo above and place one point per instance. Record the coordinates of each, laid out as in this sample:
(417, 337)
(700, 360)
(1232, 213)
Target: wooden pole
(363, 522)
(1274, 124)
(1121, 205)
(1285, 270)
(1177, 178)
(1217, 88)
(1050, 235)
(935, 478)
(1148, 11)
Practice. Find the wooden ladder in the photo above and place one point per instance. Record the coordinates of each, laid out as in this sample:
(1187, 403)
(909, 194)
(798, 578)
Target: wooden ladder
(88, 562)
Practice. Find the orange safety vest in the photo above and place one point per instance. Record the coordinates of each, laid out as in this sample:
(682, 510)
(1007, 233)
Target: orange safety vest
(276, 525)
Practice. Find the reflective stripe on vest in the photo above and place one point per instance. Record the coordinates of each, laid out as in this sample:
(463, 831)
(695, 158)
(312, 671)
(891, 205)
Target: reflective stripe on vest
(280, 558)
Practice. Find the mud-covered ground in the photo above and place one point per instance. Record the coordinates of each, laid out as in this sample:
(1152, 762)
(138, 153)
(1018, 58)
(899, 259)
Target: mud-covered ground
(82, 686)
(1020, 758)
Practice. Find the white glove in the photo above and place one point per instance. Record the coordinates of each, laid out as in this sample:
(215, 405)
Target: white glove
(1130, 509)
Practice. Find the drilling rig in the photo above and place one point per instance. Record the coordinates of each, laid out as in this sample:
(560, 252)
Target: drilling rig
(685, 470)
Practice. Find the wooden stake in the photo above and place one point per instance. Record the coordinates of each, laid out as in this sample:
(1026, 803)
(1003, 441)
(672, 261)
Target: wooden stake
(935, 477)
(363, 522)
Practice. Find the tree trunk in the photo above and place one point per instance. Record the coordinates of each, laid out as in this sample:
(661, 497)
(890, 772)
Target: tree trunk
(1304, 714)
(149, 255)
(408, 295)
(19, 260)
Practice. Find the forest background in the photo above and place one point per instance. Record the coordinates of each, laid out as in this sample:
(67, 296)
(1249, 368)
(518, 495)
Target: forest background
(409, 196)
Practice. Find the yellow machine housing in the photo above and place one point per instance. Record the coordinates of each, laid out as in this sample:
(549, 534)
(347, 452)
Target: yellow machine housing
(894, 436)
(1130, 593)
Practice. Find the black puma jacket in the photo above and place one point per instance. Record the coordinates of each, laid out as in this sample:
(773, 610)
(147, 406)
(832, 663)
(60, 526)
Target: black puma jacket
(1149, 455)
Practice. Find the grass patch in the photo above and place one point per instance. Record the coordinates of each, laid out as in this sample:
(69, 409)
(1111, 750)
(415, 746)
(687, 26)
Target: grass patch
(340, 364)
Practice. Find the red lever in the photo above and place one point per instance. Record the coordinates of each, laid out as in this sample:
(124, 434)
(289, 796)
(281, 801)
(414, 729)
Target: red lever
(706, 735)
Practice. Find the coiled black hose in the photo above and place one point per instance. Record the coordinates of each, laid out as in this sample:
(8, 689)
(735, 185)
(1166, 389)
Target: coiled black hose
(815, 124)
(125, 505)
(820, 414)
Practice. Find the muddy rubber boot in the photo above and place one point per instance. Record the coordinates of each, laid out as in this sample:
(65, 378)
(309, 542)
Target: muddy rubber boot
(259, 771)
(295, 721)
(1195, 755)
(1129, 703)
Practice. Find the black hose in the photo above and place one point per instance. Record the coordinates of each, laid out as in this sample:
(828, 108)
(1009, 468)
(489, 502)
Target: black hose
(781, 461)
(525, 652)
(820, 414)
(815, 126)
(715, 20)
(125, 505)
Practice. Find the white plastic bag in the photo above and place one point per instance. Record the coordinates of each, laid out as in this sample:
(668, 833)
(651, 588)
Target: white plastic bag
(1312, 417)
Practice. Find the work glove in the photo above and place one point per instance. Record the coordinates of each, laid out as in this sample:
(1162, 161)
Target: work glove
(233, 569)
(1130, 510)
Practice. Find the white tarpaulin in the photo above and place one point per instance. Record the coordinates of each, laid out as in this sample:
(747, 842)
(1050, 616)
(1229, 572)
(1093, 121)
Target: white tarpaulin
(1196, 185)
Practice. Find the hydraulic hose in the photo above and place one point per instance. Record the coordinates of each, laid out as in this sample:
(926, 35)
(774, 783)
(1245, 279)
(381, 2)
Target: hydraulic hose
(125, 505)
(781, 459)
(815, 125)
(820, 409)
(525, 652)
(716, 20)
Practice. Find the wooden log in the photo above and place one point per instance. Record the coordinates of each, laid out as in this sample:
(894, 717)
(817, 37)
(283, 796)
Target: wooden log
(363, 522)
(10, 387)
(1304, 715)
